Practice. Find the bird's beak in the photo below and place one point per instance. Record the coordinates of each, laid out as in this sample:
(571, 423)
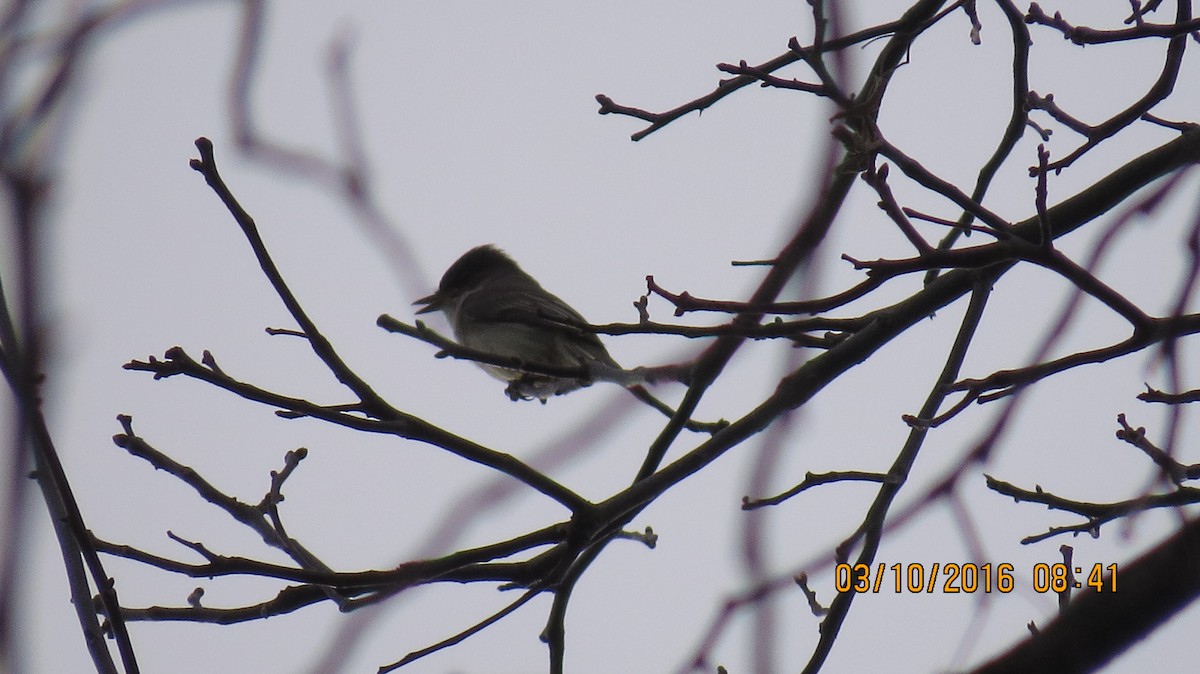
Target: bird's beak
(432, 303)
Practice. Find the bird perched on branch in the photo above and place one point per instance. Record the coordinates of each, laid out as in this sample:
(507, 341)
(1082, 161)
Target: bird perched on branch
(494, 307)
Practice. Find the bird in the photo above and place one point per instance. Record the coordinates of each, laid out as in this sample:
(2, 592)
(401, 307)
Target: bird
(495, 307)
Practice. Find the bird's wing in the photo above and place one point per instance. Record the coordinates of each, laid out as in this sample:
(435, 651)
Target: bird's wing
(534, 306)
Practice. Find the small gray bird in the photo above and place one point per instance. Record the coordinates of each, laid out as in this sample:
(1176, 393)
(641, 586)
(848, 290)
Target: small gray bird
(495, 307)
